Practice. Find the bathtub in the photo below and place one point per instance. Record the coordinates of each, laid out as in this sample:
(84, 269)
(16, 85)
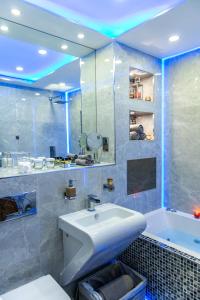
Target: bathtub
(176, 230)
(167, 253)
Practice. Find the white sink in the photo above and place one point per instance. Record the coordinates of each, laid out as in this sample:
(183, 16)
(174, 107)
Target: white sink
(104, 218)
(91, 239)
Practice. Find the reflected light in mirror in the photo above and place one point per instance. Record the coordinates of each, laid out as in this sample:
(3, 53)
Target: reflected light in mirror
(15, 12)
(32, 67)
(19, 69)
(64, 47)
(4, 28)
(42, 52)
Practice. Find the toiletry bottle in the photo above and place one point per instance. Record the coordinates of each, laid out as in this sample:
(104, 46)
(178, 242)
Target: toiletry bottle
(4, 160)
(70, 192)
(1, 156)
(9, 160)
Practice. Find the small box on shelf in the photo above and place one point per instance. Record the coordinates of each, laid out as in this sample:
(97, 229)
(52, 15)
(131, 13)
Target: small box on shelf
(141, 85)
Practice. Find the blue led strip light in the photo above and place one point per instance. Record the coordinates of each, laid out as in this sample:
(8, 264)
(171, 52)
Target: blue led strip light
(67, 119)
(181, 53)
(163, 137)
(110, 30)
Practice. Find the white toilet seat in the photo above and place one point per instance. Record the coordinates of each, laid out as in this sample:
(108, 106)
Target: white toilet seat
(43, 288)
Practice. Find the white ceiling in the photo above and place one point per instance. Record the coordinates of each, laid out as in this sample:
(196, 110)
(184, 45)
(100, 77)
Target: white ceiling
(150, 37)
(45, 21)
(109, 17)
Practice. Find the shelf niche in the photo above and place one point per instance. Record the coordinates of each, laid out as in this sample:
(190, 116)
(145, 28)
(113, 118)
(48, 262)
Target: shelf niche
(141, 85)
(141, 126)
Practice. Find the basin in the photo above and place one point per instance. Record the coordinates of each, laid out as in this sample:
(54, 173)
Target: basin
(92, 239)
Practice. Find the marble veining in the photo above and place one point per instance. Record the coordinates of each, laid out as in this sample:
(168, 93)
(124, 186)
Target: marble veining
(182, 112)
(33, 246)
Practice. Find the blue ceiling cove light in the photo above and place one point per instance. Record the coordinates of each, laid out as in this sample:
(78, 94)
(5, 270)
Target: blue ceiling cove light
(109, 17)
(20, 60)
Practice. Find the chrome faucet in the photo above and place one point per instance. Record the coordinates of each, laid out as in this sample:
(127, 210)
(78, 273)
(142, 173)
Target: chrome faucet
(92, 199)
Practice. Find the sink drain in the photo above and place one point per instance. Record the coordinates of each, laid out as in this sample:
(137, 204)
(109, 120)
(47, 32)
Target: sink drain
(168, 239)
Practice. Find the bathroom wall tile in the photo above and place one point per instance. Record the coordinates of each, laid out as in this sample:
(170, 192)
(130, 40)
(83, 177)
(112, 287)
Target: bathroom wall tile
(52, 262)
(37, 122)
(18, 274)
(17, 185)
(181, 131)
(128, 150)
(35, 243)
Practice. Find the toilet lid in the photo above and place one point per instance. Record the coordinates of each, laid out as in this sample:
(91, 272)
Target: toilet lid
(43, 288)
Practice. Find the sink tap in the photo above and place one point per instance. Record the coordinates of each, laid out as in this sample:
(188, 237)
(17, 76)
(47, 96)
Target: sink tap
(92, 199)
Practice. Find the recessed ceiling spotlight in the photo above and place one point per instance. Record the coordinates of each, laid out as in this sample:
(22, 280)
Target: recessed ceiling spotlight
(42, 52)
(81, 36)
(64, 47)
(107, 60)
(19, 69)
(23, 99)
(37, 94)
(15, 12)
(174, 38)
(118, 61)
(82, 62)
(4, 28)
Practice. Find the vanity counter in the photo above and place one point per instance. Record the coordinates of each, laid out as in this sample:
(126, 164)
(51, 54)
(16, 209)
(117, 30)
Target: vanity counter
(14, 172)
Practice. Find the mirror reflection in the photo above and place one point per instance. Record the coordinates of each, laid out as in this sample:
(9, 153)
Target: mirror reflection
(48, 102)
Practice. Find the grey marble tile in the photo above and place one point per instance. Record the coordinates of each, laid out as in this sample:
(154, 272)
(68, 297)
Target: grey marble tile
(34, 244)
(181, 132)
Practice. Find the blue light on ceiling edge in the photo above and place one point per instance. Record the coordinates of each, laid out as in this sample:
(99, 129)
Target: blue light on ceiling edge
(53, 68)
(181, 53)
(31, 78)
(109, 30)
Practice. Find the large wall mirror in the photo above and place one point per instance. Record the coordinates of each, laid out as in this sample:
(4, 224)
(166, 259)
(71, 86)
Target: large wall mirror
(48, 102)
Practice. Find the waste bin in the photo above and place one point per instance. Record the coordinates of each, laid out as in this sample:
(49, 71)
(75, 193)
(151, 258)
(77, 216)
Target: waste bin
(115, 281)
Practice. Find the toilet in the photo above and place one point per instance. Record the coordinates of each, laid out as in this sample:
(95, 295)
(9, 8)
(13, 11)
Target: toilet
(43, 288)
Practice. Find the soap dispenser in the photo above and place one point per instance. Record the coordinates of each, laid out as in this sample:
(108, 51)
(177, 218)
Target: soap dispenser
(70, 192)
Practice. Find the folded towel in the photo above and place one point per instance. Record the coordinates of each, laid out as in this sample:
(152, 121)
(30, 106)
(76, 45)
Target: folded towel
(85, 156)
(84, 162)
(134, 135)
(117, 288)
(142, 136)
(137, 127)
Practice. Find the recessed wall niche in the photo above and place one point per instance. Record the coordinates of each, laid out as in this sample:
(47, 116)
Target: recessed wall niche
(141, 85)
(141, 126)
